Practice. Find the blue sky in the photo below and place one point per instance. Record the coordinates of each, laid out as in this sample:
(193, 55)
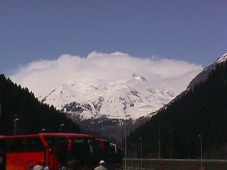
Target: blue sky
(191, 30)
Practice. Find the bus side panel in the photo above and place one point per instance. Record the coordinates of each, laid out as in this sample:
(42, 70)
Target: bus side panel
(21, 161)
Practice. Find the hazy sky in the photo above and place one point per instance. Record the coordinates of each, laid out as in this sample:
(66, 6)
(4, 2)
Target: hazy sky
(194, 31)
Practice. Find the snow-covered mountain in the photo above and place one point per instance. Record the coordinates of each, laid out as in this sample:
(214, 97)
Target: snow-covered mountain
(113, 86)
(102, 98)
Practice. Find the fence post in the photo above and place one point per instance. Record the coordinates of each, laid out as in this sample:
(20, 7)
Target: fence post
(189, 164)
(218, 166)
(197, 164)
(162, 164)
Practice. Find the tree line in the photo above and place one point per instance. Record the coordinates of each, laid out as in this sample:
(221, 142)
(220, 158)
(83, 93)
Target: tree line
(17, 103)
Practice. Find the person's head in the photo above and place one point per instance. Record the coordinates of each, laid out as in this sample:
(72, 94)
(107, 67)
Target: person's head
(42, 163)
(30, 166)
(102, 162)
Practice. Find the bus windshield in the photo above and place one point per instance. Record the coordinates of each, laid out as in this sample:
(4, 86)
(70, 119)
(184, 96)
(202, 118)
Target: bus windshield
(82, 150)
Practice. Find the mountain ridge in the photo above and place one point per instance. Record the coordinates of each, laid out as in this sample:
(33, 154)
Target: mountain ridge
(204, 74)
(111, 99)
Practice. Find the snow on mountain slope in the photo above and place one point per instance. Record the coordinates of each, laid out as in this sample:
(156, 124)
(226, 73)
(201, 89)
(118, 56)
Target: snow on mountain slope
(114, 85)
(221, 59)
(133, 97)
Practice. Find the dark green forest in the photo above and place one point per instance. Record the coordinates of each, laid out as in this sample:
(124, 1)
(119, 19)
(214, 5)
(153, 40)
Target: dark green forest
(173, 131)
(33, 116)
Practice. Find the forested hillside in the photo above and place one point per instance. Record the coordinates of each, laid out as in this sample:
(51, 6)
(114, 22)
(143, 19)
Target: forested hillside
(173, 132)
(33, 116)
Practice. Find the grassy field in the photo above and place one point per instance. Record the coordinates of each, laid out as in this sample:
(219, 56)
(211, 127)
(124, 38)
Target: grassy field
(175, 164)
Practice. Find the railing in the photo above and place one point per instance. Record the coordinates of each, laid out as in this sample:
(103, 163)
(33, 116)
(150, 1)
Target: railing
(175, 164)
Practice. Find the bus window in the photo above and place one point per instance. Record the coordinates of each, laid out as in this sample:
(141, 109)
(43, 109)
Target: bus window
(16, 145)
(83, 151)
(2, 160)
(34, 144)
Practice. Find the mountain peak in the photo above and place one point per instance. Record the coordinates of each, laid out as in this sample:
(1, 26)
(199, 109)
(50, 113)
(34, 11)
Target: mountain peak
(141, 78)
(205, 73)
(221, 59)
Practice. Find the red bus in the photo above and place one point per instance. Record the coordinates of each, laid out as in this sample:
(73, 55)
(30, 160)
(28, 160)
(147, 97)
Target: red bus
(79, 151)
(111, 154)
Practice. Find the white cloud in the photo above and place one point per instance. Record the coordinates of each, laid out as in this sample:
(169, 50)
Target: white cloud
(40, 76)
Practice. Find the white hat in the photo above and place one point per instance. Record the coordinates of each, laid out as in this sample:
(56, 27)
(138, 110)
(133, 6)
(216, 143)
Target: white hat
(102, 162)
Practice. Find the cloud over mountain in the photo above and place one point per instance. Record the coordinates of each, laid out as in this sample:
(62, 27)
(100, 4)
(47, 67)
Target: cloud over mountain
(43, 75)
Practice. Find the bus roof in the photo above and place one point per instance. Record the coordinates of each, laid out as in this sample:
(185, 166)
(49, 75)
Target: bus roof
(49, 134)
